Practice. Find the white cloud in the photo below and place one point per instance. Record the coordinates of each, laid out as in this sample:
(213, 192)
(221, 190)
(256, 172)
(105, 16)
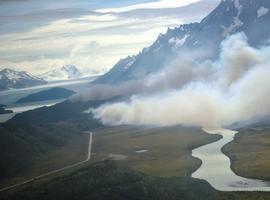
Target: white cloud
(151, 5)
(66, 40)
(95, 46)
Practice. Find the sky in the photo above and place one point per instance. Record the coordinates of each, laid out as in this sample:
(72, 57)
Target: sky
(37, 36)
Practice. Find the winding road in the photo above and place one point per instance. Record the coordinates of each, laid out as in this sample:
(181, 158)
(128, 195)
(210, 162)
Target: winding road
(57, 170)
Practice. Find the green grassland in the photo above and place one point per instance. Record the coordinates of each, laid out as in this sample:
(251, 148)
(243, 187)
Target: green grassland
(168, 149)
(74, 150)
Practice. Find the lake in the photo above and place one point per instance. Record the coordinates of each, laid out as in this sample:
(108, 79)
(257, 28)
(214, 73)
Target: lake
(9, 97)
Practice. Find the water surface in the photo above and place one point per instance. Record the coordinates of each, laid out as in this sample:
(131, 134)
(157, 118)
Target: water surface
(216, 166)
(9, 97)
(22, 107)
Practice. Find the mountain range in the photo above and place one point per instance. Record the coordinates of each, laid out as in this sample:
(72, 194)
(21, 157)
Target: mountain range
(251, 17)
(67, 72)
(11, 79)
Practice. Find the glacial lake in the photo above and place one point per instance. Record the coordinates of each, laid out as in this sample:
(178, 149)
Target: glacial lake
(9, 97)
(216, 166)
(22, 107)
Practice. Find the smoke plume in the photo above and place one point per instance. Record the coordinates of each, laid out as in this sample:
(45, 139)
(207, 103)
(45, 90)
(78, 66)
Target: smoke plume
(233, 88)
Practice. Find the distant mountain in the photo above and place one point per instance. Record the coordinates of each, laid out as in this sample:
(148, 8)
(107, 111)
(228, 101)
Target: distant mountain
(51, 94)
(10, 79)
(231, 16)
(67, 72)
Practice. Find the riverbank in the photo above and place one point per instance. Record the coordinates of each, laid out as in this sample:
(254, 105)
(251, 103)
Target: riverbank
(216, 166)
(168, 149)
(250, 153)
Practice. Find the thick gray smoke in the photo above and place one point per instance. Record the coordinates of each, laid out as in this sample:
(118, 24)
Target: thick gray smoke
(234, 88)
(103, 92)
(173, 77)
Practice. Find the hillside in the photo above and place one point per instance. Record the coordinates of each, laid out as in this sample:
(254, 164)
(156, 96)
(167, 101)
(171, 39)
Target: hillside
(3, 110)
(58, 112)
(110, 181)
(31, 134)
(22, 144)
(51, 94)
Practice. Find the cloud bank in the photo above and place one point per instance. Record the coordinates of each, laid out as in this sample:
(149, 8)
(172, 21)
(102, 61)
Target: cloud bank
(234, 88)
(150, 5)
(70, 27)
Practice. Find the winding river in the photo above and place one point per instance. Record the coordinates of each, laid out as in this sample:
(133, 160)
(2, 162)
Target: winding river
(216, 166)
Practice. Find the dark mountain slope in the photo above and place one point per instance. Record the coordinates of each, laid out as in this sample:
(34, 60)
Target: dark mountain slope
(3, 110)
(51, 94)
(62, 111)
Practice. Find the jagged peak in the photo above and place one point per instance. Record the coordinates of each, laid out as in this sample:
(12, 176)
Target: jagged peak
(230, 16)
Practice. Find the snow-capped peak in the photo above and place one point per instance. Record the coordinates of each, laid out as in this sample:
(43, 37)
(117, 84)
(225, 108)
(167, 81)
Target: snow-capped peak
(17, 79)
(66, 72)
(252, 17)
(15, 75)
(72, 71)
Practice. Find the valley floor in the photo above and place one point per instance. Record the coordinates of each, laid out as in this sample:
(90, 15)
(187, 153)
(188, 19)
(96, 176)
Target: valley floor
(163, 152)
(143, 163)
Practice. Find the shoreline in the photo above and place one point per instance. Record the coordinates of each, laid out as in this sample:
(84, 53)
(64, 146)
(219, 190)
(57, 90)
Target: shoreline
(237, 151)
(216, 167)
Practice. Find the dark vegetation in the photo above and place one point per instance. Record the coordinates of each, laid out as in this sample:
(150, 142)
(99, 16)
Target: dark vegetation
(51, 94)
(22, 144)
(3, 110)
(31, 134)
(108, 180)
(59, 112)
